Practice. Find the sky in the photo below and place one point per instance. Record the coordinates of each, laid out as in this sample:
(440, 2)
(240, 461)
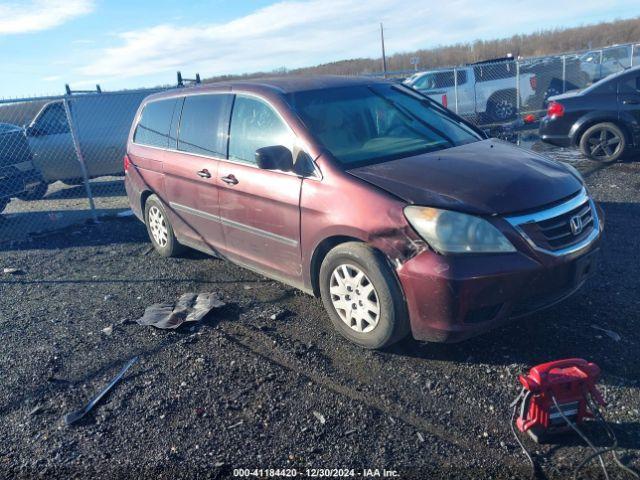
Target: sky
(45, 44)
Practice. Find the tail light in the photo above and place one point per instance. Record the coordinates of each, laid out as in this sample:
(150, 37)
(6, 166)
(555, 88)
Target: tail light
(126, 162)
(444, 100)
(533, 81)
(555, 110)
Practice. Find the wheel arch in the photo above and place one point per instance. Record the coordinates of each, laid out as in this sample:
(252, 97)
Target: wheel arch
(144, 196)
(503, 93)
(319, 254)
(581, 126)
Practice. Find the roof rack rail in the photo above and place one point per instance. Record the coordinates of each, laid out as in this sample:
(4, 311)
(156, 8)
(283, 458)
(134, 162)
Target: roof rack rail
(71, 92)
(188, 81)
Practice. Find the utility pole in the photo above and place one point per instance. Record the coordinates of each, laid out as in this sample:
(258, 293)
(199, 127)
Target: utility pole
(384, 57)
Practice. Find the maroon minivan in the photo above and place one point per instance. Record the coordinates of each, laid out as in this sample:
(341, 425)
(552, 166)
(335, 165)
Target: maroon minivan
(402, 216)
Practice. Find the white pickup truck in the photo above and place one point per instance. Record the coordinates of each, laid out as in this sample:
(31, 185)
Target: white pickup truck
(485, 90)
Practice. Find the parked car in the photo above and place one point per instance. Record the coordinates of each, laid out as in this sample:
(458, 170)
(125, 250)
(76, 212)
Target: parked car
(399, 214)
(602, 120)
(18, 177)
(486, 89)
(102, 122)
(598, 64)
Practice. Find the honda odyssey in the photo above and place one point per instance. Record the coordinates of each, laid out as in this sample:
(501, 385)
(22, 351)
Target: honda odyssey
(400, 215)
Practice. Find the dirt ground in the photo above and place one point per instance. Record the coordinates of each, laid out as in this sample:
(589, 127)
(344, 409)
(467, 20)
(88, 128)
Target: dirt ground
(241, 389)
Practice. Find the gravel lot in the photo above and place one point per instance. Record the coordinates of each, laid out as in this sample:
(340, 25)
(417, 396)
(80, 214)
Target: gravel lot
(243, 390)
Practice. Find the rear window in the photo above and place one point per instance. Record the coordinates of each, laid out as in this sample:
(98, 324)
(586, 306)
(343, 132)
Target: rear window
(153, 128)
(204, 124)
(486, 72)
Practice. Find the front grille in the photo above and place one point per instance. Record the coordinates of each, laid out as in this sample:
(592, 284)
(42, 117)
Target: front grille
(556, 233)
(551, 230)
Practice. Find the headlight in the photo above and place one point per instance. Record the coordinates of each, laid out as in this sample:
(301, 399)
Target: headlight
(453, 232)
(573, 170)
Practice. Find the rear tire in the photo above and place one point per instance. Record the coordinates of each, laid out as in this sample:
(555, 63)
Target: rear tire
(36, 193)
(362, 296)
(159, 228)
(604, 142)
(502, 107)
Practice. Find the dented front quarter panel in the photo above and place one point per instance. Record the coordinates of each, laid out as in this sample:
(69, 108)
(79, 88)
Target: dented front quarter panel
(344, 206)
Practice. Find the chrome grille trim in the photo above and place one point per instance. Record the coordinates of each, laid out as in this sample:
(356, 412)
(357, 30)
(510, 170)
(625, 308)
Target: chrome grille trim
(517, 221)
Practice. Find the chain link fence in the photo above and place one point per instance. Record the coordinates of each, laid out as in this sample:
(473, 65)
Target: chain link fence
(495, 92)
(61, 159)
(61, 156)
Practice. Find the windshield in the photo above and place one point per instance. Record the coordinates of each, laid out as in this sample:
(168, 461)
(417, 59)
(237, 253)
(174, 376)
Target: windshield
(368, 124)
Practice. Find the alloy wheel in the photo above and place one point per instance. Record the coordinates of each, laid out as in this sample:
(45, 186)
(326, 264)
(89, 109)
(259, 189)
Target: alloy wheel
(354, 298)
(158, 226)
(603, 143)
(504, 110)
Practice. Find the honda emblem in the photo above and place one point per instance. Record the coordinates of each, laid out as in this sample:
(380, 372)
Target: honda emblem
(576, 224)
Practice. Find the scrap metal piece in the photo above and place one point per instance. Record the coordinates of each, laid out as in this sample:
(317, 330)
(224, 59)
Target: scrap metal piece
(190, 307)
(73, 417)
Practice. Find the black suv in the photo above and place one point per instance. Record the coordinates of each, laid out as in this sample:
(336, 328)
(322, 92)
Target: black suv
(603, 119)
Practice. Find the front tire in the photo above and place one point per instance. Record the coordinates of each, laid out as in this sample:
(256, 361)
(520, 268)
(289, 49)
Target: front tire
(362, 296)
(603, 142)
(159, 228)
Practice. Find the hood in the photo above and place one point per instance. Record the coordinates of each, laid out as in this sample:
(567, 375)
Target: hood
(486, 178)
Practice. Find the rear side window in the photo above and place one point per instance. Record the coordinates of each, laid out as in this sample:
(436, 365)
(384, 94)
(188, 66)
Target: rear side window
(155, 122)
(204, 124)
(630, 85)
(254, 125)
(53, 120)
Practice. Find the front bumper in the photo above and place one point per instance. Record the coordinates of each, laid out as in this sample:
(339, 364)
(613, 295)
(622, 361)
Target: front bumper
(452, 298)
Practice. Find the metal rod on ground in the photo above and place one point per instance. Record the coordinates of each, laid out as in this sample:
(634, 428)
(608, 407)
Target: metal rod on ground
(83, 167)
(564, 73)
(455, 87)
(384, 57)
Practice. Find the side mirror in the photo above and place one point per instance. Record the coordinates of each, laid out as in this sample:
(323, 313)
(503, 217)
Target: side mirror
(276, 157)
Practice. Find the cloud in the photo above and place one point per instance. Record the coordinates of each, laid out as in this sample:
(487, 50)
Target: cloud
(295, 33)
(38, 15)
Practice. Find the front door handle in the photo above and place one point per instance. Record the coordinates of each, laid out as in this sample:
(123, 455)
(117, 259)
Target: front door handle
(204, 173)
(631, 102)
(230, 179)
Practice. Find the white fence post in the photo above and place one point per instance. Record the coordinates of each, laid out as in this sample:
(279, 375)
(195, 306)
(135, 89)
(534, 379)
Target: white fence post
(83, 167)
(564, 73)
(455, 87)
